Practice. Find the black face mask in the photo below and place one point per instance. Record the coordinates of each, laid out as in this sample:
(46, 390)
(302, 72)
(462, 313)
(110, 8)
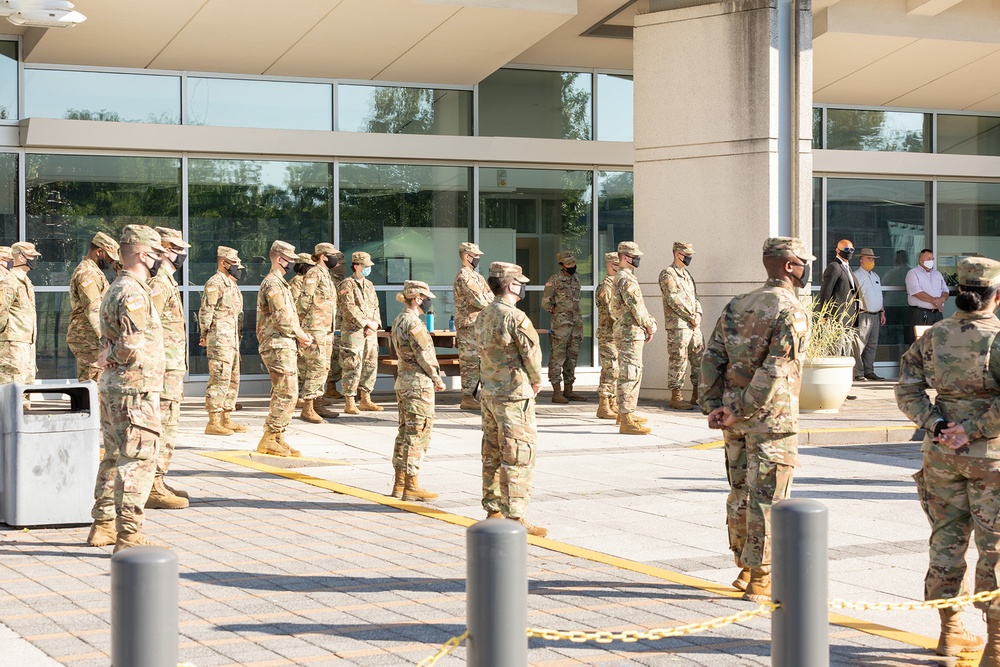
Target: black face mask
(300, 268)
(31, 263)
(153, 270)
(475, 262)
(570, 269)
(686, 259)
(422, 306)
(801, 282)
(235, 271)
(846, 254)
(330, 262)
(634, 261)
(340, 271)
(288, 266)
(103, 264)
(520, 291)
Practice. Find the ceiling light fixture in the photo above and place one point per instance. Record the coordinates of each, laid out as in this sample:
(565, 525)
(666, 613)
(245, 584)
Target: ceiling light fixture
(41, 13)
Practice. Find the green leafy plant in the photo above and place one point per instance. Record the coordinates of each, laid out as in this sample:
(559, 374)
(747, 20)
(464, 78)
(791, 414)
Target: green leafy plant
(831, 334)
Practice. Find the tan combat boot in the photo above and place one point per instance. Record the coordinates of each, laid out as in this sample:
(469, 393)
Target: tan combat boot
(991, 656)
(102, 533)
(572, 395)
(956, 639)
(631, 426)
(604, 410)
(324, 412)
(180, 493)
(494, 515)
(532, 530)
(557, 394)
(308, 413)
(300, 403)
(398, 484)
(412, 490)
(227, 422)
(469, 403)
(215, 426)
(677, 401)
(126, 540)
(161, 499)
(350, 407)
(367, 404)
(759, 587)
(269, 444)
(635, 416)
(291, 451)
(331, 391)
(742, 579)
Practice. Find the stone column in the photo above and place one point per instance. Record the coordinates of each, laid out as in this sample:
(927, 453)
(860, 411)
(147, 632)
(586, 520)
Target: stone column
(707, 136)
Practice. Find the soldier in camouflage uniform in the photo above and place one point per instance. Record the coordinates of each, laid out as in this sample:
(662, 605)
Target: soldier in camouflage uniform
(133, 360)
(166, 300)
(682, 325)
(361, 321)
(220, 320)
(317, 309)
(511, 374)
(87, 286)
(472, 294)
(303, 262)
(6, 261)
(607, 408)
(337, 273)
(959, 482)
(634, 327)
(561, 299)
(18, 322)
(418, 378)
(278, 331)
(751, 374)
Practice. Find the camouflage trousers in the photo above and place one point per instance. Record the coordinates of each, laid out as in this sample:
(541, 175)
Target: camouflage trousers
(608, 355)
(509, 434)
(223, 379)
(281, 365)
(759, 475)
(414, 434)
(131, 429)
(685, 348)
(170, 417)
(314, 364)
(86, 365)
(629, 374)
(468, 358)
(17, 362)
(564, 350)
(335, 371)
(959, 495)
(358, 361)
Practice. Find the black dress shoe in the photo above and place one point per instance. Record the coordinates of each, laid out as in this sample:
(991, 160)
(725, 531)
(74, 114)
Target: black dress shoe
(874, 378)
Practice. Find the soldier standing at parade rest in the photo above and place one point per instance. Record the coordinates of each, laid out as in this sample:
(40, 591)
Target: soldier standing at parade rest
(472, 294)
(220, 320)
(167, 302)
(303, 262)
(18, 322)
(959, 482)
(337, 273)
(87, 287)
(358, 338)
(278, 331)
(511, 375)
(133, 361)
(682, 325)
(317, 311)
(561, 299)
(418, 378)
(750, 379)
(607, 408)
(633, 328)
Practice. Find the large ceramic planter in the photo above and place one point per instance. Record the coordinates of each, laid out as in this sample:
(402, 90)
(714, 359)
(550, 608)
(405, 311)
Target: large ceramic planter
(826, 382)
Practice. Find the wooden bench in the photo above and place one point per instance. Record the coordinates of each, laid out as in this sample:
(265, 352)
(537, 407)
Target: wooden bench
(448, 362)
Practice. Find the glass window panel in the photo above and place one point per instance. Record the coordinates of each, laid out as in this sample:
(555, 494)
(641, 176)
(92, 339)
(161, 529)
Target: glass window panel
(52, 356)
(532, 305)
(8, 80)
(616, 214)
(285, 105)
(409, 218)
(250, 363)
(69, 198)
(864, 130)
(968, 224)
(112, 97)
(817, 129)
(8, 198)
(534, 103)
(614, 107)
(403, 110)
(968, 135)
(817, 231)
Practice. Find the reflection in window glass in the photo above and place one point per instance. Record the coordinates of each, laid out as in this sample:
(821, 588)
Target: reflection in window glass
(250, 363)
(8, 80)
(8, 198)
(52, 355)
(247, 204)
(863, 130)
(968, 135)
(615, 214)
(69, 198)
(968, 224)
(400, 110)
(614, 107)
(817, 129)
(284, 105)
(817, 232)
(534, 103)
(409, 218)
(105, 96)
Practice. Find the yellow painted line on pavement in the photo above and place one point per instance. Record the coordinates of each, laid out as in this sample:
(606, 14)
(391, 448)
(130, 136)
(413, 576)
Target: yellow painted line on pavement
(715, 444)
(240, 458)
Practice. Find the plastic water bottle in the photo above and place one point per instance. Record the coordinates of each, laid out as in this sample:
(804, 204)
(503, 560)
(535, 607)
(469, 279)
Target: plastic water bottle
(451, 323)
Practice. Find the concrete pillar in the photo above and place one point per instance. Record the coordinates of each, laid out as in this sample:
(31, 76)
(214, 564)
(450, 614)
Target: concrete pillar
(708, 133)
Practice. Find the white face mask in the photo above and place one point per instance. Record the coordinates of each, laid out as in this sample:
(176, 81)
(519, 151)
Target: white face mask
(928, 264)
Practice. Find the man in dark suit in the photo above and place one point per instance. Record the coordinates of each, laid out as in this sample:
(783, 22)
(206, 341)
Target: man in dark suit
(840, 290)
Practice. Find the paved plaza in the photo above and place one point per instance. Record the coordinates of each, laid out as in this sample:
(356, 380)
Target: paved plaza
(312, 565)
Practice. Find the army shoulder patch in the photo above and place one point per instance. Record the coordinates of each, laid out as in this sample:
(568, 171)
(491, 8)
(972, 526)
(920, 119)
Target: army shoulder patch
(800, 322)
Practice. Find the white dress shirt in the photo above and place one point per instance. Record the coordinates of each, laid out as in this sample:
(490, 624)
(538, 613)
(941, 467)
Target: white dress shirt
(871, 290)
(930, 282)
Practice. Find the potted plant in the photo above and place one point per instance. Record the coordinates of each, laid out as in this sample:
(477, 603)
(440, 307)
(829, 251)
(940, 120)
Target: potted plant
(828, 367)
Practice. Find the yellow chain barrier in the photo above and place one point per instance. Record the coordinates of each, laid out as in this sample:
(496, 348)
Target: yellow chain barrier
(448, 647)
(960, 601)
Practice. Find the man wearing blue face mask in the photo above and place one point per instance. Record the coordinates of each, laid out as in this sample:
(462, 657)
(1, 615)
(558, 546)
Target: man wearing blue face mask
(362, 319)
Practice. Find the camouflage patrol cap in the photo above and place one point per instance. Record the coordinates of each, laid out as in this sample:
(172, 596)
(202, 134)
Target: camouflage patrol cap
(611, 258)
(629, 248)
(978, 272)
(566, 258)
(412, 288)
(686, 248)
(141, 235)
(362, 258)
(305, 258)
(24, 248)
(5, 252)
(787, 246)
(286, 250)
(107, 244)
(470, 248)
(173, 237)
(507, 270)
(325, 249)
(230, 255)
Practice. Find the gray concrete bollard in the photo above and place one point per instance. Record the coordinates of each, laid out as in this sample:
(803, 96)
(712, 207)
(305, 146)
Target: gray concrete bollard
(496, 592)
(144, 608)
(800, 627)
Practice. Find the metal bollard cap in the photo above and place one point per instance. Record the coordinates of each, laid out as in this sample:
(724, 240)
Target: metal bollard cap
(495, 527)
(145, 556)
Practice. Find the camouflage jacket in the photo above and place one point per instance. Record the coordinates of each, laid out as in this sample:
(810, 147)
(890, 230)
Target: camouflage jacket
(753, 363)
(472, 294)
(561, 299)
(166, 300)
(680, 298)
(277, 322)
(358, 304)
(606, 313)
(510, 358)
(87, 286)
(18, 323)
(317, 302)
(296, 284)
(131, 339)
(220, 317)
(632, 317)
(959, 357)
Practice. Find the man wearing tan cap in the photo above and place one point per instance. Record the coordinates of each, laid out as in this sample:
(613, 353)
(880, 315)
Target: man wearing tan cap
(220, 321)
(18, 320)
(337, 274)
(607, 407)
(633, 329)
(303, 262)
(561, 299)
(278, 332)
(472, 294)
(682, 325)
(87, 287)
(358, 336)
(317, 310)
